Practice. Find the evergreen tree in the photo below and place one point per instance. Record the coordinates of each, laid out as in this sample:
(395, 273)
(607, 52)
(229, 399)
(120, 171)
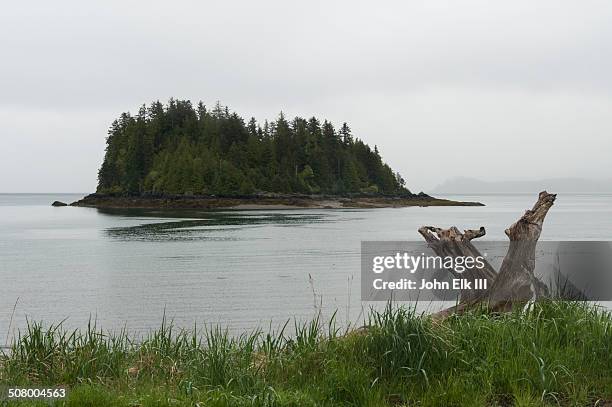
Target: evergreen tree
(179, 149)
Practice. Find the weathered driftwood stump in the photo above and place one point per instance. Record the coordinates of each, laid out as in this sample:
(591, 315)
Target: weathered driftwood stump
(514, 284)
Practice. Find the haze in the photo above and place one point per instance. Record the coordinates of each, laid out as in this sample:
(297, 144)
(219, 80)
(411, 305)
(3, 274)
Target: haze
(491, 90)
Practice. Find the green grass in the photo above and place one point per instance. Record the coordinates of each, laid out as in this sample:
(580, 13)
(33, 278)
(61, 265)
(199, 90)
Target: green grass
(556, 353)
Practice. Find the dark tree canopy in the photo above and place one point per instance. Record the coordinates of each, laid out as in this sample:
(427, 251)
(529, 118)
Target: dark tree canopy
(182, 149)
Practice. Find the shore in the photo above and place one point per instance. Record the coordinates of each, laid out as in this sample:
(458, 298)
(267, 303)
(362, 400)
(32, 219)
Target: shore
(264, 201)
(550, 354)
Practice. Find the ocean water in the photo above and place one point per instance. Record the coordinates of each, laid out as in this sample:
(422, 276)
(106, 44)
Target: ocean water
(237, 269)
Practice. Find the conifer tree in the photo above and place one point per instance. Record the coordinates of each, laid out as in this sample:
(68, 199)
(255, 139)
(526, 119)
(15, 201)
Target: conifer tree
(179, 149)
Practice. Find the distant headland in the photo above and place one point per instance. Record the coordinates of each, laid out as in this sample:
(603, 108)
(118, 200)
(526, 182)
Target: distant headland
(466, 186)
(177, 155)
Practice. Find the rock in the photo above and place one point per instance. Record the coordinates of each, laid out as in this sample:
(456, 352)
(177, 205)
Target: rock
(59, 203)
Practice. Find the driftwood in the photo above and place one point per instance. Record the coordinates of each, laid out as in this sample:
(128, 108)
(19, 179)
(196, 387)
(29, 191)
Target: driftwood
(514, 284)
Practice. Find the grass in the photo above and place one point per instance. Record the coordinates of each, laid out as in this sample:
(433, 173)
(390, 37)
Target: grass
(556, 353)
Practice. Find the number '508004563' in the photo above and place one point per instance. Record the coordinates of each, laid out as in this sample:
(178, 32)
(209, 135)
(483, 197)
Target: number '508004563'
(35, 393)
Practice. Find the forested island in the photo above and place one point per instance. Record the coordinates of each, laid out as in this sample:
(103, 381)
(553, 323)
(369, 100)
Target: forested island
(179, 154)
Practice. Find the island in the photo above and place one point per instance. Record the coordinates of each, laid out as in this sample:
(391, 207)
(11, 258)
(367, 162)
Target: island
(183, 156)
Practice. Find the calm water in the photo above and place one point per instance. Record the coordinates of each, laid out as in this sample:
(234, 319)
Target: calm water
(238, 269)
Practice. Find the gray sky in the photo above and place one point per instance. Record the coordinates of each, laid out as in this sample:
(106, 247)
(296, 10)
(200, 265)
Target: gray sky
(493, 90)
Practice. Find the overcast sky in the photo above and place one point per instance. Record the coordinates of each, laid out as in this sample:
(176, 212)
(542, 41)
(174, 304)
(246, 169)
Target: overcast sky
(493, 90)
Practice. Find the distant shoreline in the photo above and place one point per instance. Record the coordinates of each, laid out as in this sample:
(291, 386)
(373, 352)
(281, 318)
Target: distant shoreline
(264, 201)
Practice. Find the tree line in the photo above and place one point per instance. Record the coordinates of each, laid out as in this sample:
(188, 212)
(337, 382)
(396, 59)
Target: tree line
(181, 149)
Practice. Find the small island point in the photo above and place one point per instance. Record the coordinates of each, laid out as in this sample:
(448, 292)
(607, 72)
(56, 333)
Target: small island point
(180, 156)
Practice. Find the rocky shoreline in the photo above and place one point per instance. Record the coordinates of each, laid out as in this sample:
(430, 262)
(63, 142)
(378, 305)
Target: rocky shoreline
(264, 201)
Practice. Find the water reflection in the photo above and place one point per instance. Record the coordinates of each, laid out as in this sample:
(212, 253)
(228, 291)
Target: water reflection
(201, 225)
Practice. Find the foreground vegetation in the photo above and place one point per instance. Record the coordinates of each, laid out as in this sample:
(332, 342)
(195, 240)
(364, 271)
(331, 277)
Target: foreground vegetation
(550, 354)
(181, 149)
